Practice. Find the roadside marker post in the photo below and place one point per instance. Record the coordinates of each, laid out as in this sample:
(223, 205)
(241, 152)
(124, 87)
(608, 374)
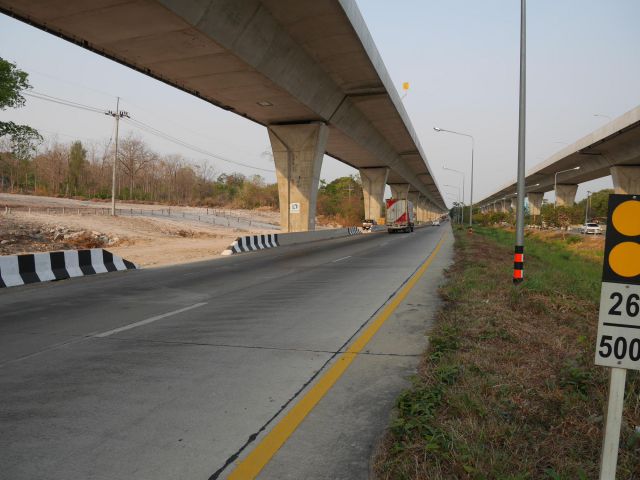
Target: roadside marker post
(618, 339)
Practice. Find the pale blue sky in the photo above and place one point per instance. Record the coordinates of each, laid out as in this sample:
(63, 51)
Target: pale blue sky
(460, 56)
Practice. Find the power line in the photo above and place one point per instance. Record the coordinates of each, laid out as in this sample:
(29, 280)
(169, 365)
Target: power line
(184, 128)
(62, 101)
(166, 136)
(142, 126)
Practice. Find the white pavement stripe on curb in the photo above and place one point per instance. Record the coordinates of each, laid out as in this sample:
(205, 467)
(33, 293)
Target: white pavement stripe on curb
(72, 263)
(117, 261)
(42, 262)
(10, 271)
(97, 261)
(148, 320)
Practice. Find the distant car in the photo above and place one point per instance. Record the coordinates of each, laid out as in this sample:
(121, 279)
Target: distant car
(436, 223)
(367, 224)
(592, 228)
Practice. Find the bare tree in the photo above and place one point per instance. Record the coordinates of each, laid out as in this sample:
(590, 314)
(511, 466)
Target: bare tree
(134, 156)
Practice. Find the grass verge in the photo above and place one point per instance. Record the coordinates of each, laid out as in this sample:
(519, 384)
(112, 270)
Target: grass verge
(507, 388)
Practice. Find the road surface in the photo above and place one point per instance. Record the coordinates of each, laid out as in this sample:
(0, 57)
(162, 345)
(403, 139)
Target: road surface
(172, 373)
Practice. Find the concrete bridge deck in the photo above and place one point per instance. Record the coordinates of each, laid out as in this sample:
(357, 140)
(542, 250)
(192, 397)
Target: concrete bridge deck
(306, 69)
(613, 149)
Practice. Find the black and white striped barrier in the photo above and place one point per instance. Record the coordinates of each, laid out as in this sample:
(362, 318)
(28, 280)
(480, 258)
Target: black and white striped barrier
(49, 266)
(252, 243)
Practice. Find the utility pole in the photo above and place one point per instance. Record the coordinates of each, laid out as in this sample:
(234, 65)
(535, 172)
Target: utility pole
(586, 207)
(350, 189)
(118, 114)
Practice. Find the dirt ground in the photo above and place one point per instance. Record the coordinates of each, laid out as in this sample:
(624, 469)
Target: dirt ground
(143, 240)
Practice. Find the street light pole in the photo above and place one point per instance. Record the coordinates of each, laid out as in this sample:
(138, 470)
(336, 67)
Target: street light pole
(456, 216)
(457, 190)
(555, 184)
(463, 182)
(437, 129)
(518, 258)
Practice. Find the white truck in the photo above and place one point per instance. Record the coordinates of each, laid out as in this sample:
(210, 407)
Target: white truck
(399, 216)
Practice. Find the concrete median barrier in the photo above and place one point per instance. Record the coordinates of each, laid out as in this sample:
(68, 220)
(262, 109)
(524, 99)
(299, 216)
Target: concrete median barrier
(253, 243)
(18, 270)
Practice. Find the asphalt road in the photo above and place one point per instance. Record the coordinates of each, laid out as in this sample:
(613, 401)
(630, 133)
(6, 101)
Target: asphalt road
(169, 373)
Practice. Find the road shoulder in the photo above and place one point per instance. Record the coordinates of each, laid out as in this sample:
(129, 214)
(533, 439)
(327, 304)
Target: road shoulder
(339, 437)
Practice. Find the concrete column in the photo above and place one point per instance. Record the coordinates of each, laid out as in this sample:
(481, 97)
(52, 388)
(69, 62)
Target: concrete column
(535, 202)
(297, 153)
(514, 204)
(414, 197)
(424, 211)
(418, 209)
(566, 195)
(626, 179)
(399, 190)
(431, 213)
(374, 181)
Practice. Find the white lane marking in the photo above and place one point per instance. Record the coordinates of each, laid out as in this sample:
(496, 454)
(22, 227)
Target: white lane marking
(343, 258)
(148, 320)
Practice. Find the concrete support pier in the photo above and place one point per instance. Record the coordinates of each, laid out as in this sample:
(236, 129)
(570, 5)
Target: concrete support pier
(297, 153)
(399, 190)
(626, 179)
(414, 197)
(514, 204)
(431, 213)
(566, 195)
(422, 211)
(374, 181)
(535, 202)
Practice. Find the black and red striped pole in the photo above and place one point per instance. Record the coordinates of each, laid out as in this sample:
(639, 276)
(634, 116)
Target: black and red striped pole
(518, 259)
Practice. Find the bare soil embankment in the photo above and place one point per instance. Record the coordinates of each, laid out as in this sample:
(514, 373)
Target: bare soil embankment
(143, 240)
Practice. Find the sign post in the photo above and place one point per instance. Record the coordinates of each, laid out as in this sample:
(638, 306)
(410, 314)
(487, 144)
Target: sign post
(618, 340)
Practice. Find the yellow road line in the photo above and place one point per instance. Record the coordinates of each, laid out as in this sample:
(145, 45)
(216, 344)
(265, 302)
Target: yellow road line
(253, 463)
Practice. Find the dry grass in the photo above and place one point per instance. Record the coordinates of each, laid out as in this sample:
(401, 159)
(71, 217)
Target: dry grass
(508, 389)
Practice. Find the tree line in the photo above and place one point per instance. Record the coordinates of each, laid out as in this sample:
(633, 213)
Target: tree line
(78, 170)
(593, 209)
(30, 165)
(85, 171)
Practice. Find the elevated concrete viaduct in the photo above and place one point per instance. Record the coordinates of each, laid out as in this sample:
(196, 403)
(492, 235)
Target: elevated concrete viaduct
(613, 149)
(308, 70)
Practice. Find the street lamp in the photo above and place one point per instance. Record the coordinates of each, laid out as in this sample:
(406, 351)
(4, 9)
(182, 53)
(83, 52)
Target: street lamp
(555, 184)
(457, 190)
(456, 200)
(437, 129)
(601, 115)
(463, 182)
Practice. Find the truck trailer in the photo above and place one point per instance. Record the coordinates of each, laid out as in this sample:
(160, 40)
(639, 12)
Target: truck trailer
(399, 216)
